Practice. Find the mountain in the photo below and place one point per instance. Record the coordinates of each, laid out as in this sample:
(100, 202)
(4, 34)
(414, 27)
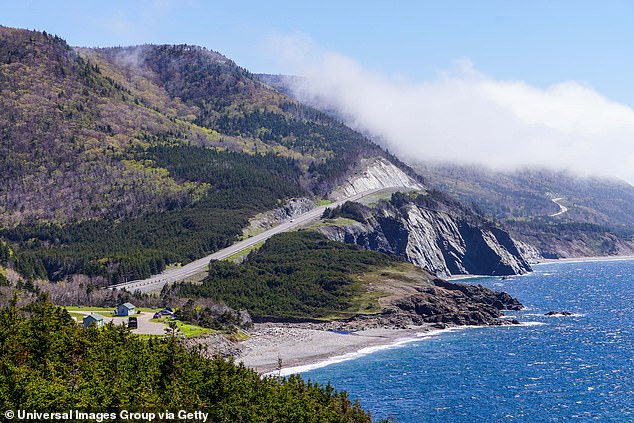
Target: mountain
(430, 230)
(596, 213)
(121, 161)
(92, 113)
(562, 214)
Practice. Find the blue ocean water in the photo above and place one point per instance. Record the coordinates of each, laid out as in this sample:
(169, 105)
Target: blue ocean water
(578, 368)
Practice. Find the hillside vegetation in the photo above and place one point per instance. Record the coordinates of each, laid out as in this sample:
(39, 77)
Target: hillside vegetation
(119, 161)
(598, 219)
(296, 274)
(48, 362)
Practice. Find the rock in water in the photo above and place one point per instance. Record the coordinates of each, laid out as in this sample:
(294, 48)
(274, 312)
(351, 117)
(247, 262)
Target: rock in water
(558, 313)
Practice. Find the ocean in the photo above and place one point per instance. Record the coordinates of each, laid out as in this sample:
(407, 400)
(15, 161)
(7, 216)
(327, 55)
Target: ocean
(557, 368)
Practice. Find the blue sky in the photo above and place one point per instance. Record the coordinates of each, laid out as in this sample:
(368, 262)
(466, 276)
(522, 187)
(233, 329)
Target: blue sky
(539, 42)
(501, 83)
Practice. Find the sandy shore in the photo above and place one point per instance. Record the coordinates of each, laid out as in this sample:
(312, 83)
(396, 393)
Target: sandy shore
(585, 259)
(299, 348)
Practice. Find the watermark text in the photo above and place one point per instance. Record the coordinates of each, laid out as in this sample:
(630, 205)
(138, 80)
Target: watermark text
(134, 416)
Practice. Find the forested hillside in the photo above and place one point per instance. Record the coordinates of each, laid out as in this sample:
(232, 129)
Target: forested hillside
(597, 219)
(118, 161)
(295, 274)
(48, 362)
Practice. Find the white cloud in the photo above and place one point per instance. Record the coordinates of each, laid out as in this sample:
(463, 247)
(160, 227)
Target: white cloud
(465, 116)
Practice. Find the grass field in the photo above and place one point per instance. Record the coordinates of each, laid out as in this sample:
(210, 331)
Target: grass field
(243, 253)
(185, 329)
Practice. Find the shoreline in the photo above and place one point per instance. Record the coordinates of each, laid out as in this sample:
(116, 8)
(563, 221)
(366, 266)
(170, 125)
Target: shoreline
(301, 349)
(304, 346)
(584, 259)
(352, 355)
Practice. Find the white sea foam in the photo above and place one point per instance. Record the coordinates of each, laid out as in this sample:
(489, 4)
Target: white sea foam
(360, 353)
(531, 324)
(555, 315)
(370, 350)
(587, 260)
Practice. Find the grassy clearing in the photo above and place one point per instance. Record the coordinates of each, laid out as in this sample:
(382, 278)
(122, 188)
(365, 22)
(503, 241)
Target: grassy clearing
(237, 336)
(185, 329)
(80, 311)
(77, 316)
(381, 283)
(323, 202)
(395, 280)
(250, 232)
(197, 278)
(236, 257)
(339, 221)
(373, 199)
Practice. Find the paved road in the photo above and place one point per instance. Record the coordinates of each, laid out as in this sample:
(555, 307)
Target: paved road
(156, 282)
(562, 209)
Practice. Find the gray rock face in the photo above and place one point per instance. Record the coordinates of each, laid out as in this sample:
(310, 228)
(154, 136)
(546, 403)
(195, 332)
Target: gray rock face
(372, 174)
(294, 207)
(530, 253)
(457, 304)
(440, 241)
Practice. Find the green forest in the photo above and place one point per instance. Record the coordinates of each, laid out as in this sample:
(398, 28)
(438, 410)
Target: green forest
(50, 363)
(297, 275)
(240, 185)
(115, 170)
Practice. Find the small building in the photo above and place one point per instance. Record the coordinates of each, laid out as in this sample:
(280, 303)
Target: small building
(93, 319)
(125, 309)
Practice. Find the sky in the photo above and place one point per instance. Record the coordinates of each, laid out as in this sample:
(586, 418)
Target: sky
(502, 83)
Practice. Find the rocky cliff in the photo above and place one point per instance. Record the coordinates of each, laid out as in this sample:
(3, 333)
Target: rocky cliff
(372, 174)
(454, 304)
(430, 231)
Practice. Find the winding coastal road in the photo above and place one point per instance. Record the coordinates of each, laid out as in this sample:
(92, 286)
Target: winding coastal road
(562, 209)
(156, 282)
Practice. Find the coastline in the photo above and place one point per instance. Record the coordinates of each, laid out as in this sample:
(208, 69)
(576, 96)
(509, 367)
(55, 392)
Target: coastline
(301, 347)
(304, 346)
(584, 259)
(304, 349)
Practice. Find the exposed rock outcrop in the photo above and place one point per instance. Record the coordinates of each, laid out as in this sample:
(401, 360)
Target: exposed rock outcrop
(435, 301)
(530, 253)
(456, 304)
(292, 208)
(558, 313)
(444, 239)
(372, 174)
